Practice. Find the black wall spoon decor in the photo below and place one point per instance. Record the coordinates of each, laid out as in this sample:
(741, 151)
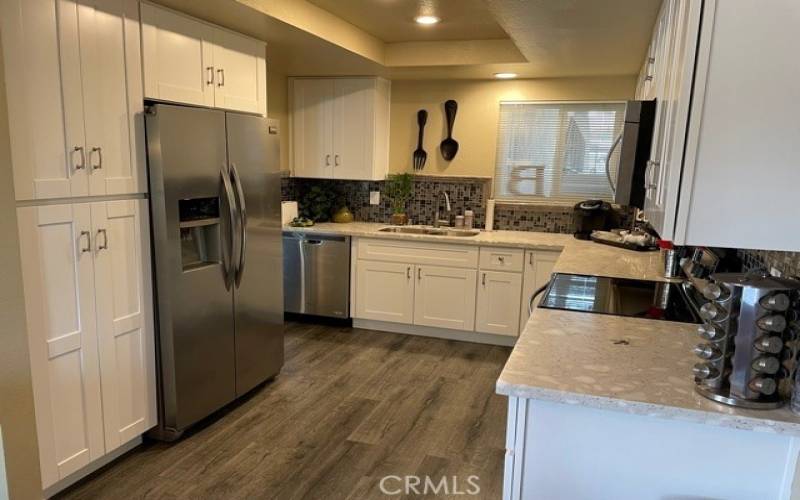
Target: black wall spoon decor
(420, 156)
(449, 146)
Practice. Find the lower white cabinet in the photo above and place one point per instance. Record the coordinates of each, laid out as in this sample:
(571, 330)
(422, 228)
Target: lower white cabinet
(385, 291)
(86, 283)
(447, 285)
(445, 297)
(498, 303)
(538, 268)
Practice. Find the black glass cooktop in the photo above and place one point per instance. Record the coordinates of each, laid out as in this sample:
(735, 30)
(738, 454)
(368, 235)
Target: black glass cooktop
(619, 297)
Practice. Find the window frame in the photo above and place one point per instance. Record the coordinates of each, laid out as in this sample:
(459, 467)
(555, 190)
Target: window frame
(540, 200)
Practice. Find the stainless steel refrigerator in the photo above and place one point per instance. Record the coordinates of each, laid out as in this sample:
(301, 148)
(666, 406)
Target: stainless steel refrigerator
(215, 208)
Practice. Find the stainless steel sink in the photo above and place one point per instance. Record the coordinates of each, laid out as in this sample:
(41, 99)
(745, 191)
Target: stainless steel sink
(431, 231)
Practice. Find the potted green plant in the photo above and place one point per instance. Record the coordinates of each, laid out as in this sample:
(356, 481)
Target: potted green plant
(317, 202)
(399, 188)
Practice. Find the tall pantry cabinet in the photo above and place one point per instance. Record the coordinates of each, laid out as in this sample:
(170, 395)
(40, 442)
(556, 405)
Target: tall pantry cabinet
(75, 102)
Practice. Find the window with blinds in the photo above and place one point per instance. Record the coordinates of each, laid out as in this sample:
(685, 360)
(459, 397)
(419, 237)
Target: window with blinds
(556, 151)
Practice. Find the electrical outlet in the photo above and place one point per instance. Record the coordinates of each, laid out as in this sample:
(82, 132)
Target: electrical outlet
(374, 197)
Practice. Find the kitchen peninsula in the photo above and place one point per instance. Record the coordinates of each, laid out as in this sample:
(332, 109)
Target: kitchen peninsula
(594, 396)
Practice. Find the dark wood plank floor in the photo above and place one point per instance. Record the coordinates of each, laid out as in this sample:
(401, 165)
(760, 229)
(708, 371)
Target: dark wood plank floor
(350, 407)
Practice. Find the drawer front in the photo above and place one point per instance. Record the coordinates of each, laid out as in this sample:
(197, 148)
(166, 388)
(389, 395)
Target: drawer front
(502, 259)
(419, 252)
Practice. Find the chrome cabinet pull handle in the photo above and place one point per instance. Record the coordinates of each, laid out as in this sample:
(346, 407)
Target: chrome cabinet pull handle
(408, 272)
(501, 259)
(336, 161)
(99, 164)
(210, 75)
(419, 273)
(104, 246)
(88, 247)
(82, 164)
(221, 75)
(530, 258)
(327, 160)
(484, 279)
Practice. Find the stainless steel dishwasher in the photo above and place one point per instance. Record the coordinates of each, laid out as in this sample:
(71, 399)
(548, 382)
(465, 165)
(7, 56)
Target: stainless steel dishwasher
(316, 274)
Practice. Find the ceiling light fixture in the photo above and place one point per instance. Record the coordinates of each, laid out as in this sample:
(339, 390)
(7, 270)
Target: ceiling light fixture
(505, 76)
(427, 19)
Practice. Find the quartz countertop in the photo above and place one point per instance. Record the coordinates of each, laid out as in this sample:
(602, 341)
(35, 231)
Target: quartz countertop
(615, 363)
(577, 256)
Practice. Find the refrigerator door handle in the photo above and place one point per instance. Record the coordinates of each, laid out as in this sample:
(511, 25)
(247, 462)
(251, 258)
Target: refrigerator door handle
(242, 223)
(229, 253)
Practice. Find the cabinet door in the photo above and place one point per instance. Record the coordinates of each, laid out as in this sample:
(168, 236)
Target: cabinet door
(39, 152)
(111, 76)
(538, 269)
(241, 73)
(445, 297)
(498, 303)
(124, 321)
(385, 291)
(55, 244)
(353, 127)
(312, 136)
(177, 53)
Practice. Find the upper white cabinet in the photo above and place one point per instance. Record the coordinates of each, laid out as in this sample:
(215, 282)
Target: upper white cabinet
(103, 101)
(74, 92)
(90, 334)
(340, 128)
(192, 62)
(742, 172)
(723, 165)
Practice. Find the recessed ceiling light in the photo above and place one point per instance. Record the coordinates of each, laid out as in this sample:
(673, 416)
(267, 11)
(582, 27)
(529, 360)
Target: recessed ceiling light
(505, 76)
(427, 19)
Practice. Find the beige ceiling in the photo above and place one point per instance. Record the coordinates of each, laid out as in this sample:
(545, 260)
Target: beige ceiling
(579, 37)
(393, 20)
(548, 38)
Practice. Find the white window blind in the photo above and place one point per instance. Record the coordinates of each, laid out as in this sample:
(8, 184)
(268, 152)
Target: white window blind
(556, 151)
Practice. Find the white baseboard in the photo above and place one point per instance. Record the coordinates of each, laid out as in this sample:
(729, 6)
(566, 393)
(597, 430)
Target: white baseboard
(439, 333)
(91, 467)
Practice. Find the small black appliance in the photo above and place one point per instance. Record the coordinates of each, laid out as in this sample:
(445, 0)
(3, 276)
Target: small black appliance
(592, 215)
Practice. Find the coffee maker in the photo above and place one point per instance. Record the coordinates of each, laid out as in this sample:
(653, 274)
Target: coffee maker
(592, 215)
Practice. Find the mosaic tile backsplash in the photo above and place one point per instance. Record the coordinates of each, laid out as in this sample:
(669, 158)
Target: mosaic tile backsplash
(466, 193)
(788, 263)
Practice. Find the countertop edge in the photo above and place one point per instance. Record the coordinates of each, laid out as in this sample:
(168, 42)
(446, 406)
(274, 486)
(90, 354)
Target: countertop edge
(647, 409)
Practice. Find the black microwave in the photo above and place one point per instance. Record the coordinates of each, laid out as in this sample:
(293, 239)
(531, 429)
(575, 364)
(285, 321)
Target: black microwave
(634, 141)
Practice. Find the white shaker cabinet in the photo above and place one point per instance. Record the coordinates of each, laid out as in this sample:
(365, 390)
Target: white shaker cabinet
(88, 306)
(741, 171)
(445, 297)
(340, 128)
(102, 88)
(73, 82)
(385, 291)
(35, 108)
(124, 321)
(498, 306)
(725, 143)
(312, 128)
(58, 273)
(192, 62)
(538, 269)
